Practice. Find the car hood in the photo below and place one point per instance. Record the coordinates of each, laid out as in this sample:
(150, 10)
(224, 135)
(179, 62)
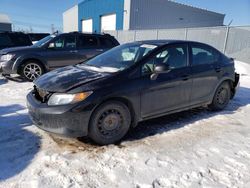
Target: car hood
(66, 78)
(18, 49)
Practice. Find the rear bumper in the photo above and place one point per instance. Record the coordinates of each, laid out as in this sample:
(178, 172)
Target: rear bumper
(63, 120)
(236, 85)
(237, 81)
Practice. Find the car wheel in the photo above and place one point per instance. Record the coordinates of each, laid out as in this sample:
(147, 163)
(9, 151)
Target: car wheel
(31, 70)
(109, 123)
(221, 97)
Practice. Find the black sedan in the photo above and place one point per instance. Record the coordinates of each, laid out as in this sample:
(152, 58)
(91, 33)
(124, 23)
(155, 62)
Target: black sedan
(107, 95)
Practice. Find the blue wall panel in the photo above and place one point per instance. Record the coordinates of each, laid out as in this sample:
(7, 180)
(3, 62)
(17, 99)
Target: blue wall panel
(94, 9)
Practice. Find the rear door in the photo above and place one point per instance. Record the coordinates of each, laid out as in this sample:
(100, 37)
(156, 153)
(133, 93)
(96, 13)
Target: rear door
(205, 72)
(88, 47)
(61, 52)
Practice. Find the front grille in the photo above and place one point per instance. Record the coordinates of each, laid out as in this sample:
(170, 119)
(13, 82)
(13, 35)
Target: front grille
(41, 94)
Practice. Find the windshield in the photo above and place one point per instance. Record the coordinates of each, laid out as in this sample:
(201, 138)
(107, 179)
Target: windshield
(44, 41)
(119, 58)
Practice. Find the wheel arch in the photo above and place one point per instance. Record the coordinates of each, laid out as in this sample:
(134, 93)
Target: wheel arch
(226, 79)
(124, 101)
(19, 66)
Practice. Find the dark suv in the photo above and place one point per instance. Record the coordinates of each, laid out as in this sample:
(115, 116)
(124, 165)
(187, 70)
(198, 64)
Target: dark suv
(112, 92)
(14, 39)
(52, 52)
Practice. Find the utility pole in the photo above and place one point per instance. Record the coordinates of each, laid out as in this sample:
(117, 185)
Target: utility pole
(31, 30)
(52, 28)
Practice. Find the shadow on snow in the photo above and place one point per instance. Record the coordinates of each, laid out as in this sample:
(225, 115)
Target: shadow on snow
(181, 119)
(18, 146)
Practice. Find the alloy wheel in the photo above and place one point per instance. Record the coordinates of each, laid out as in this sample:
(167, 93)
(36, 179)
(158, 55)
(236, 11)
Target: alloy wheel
(32, 71)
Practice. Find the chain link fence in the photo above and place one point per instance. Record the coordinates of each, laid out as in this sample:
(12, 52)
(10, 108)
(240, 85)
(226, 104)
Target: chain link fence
(233, 41)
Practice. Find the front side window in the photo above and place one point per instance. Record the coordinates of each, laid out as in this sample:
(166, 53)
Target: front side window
(175, 57)
(203, 55)
(119, 58)
(66, 42)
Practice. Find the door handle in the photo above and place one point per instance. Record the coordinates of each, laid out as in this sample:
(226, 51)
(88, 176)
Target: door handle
(73, 51)
(185, 77)
(218, 69)
(99, 50)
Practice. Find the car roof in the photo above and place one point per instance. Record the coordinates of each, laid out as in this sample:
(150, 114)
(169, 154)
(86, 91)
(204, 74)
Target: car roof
(164, 42)
(90, 34)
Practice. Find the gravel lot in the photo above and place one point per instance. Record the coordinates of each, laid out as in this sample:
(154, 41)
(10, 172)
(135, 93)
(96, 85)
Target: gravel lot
(196, 148)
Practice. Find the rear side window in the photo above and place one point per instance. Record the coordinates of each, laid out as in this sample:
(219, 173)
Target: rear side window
(5, 40)
(203, 55)
(86, 42)
(21, 39)
(106, 42)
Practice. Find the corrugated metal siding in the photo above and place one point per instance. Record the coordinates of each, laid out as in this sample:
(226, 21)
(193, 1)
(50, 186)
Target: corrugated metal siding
(163, 14)
(234, 41)
(238, 43)
(94, 9)
(213, 36)
(175, 34)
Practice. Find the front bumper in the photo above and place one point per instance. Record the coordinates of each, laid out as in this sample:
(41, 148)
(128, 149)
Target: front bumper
(6, 67)
(65, 120)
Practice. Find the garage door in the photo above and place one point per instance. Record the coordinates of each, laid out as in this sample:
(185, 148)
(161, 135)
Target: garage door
(87, 26)
(108, 22)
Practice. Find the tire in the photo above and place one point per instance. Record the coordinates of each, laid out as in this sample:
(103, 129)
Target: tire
(109, 123)
(31, 70)
(221, 98)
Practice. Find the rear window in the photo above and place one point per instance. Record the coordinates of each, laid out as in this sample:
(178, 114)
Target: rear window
(106, 42)
(5, 40)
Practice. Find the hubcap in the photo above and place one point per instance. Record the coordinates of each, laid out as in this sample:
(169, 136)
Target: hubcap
(109, 123)
(32, 71)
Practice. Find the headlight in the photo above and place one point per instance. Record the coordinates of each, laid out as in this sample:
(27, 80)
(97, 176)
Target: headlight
(61, 99)
(7, 57)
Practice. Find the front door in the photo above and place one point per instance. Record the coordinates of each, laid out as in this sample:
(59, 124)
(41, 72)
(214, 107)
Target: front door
(170, 91)
(61, 52)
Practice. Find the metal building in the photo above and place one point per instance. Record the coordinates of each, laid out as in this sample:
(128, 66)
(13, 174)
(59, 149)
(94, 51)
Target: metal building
(101, 15)
(5, 23)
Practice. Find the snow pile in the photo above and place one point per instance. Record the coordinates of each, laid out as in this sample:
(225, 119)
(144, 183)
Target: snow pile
(242, 68)
(196, 148)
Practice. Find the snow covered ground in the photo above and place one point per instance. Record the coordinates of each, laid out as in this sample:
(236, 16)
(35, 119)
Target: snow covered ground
(197, 148)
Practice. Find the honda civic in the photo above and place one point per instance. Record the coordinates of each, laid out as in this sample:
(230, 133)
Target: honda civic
(106, 96)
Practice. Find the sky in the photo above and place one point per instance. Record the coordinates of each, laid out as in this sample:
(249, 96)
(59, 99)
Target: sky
(39, 15)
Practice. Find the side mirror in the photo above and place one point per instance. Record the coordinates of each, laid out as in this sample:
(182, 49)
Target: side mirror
(160, 68)
(51, 45)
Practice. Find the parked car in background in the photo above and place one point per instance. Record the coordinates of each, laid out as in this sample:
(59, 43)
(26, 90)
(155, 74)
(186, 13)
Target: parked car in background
(54, 51)
(14, 39)
(35, 37)
(112, 92)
